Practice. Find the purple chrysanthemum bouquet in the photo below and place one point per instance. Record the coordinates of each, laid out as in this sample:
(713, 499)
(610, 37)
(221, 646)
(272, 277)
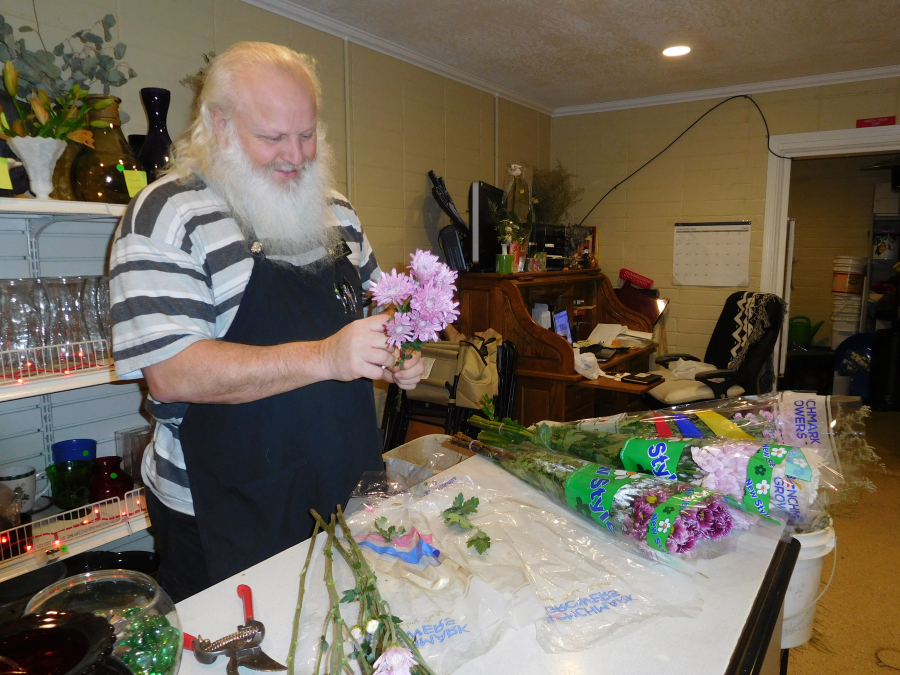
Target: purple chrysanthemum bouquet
(665, 520)
(422, 300)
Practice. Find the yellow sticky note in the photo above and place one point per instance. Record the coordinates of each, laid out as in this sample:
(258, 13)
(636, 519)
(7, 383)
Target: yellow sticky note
(5, 182)
(134, 181)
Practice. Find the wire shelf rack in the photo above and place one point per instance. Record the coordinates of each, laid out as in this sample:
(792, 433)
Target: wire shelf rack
(49, 537)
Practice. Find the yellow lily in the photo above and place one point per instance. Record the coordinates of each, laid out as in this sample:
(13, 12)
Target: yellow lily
(11, 79)
(39, 111)
(18, 128)
(83, 136)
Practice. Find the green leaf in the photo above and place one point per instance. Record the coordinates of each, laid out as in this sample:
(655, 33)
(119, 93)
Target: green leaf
(106, 62)
(457, 519)
(59, 49)
(108, 21)
(350, 595)
(480, 541)
(107, 36)
(93, 39)
(124, 116)
(131, 73)
(119, 50)
(26, 29)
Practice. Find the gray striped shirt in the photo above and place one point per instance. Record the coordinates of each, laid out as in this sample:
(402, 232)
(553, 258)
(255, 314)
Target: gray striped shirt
(178, 269)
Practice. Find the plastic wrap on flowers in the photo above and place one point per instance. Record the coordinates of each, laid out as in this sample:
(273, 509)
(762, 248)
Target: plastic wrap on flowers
(795, 484)
(664, 520)
(833, 425)
(541, 568)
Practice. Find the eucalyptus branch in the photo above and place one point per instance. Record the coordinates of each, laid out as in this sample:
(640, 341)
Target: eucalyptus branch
(37, 24)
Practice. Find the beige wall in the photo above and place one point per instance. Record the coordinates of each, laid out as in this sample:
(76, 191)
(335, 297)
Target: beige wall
(717, 171)
(403, 120)
(831, 200)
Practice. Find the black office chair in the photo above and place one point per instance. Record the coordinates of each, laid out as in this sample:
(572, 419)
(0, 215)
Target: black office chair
(740, 353)
(436, 398)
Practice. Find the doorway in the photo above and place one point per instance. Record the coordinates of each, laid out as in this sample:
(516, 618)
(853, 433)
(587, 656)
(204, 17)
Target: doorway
(789, 146)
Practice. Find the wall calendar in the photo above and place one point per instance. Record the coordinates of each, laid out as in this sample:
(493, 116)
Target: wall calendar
(712, 254)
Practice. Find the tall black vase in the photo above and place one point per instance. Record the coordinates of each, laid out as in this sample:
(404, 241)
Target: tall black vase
(154, 153)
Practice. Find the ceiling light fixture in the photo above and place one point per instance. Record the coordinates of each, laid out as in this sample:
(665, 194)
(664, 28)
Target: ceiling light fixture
(676, 51)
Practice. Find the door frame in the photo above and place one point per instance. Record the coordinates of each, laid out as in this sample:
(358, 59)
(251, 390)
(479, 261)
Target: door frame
(778, 182)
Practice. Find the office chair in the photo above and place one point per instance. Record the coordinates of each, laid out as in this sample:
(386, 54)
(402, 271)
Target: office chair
(739, 354)
(452, 390)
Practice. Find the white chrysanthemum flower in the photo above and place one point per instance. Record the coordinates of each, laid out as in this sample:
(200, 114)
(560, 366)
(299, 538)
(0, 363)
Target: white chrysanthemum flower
(372, 626)
(515, 170)
(394, 661)
(357, 633)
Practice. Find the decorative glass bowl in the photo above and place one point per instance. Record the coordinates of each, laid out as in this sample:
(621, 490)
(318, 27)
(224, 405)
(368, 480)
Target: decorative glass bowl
(148, 634)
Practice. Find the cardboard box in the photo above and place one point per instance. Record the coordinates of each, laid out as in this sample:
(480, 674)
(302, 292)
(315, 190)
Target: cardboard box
(419, 460)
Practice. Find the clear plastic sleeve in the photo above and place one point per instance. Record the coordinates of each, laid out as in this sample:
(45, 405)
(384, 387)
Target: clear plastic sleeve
(668, 521)
(545, 566)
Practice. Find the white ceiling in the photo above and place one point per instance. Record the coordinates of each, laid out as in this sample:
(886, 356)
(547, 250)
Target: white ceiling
(563, 53)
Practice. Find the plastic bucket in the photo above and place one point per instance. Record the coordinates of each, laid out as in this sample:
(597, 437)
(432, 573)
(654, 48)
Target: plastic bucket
(849, 274)
(803, 590)
(841, 329)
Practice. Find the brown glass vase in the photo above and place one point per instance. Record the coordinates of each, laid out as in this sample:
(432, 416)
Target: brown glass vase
(62, 173)
(97, 174)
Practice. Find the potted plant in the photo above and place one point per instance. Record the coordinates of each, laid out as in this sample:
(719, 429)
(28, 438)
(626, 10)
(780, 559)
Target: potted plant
(39, 136)
(48, 91)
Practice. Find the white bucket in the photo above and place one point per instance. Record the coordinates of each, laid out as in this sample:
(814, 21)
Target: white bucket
(803, 590)
(842, 328)
(849, 274)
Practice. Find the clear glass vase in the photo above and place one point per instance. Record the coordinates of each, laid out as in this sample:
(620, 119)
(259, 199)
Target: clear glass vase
(143, 616)
(97, 174)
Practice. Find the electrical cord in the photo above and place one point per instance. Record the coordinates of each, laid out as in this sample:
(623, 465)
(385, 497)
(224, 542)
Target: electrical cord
(677, 138)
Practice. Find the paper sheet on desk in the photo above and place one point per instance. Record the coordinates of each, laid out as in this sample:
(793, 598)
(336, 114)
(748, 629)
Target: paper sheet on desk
(605, 333)
(542, 567)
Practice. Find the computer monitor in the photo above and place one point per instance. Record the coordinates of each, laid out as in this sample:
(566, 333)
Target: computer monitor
(483, 235)
(561, 324)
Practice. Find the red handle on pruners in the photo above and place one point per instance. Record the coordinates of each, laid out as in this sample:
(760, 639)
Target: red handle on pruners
(245, 594)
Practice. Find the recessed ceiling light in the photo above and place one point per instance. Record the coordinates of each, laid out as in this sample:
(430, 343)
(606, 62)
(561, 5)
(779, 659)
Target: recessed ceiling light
(676, 51)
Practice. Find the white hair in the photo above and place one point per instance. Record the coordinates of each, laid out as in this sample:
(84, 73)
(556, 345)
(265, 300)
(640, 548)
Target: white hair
(195, 151)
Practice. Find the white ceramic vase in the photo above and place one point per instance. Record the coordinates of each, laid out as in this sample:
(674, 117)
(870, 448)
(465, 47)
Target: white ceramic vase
(39, 156)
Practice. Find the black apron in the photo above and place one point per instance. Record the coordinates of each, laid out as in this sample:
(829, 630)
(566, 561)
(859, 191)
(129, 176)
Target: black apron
(256, 469)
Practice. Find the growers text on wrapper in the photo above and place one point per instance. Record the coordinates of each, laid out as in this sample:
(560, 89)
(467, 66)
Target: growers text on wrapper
(423, 302)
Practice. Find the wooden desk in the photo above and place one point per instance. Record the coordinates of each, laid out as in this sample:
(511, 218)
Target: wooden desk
(547, 386)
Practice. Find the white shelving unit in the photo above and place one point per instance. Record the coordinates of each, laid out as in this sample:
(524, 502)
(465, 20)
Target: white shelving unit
(48, 238)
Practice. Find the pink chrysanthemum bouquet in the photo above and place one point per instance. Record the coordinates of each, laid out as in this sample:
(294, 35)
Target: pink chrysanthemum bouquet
(423, 300)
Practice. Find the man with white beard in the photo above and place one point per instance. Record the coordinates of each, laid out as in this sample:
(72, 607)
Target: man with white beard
(237, 289)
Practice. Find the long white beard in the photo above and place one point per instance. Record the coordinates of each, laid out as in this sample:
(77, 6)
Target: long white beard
(292, 220)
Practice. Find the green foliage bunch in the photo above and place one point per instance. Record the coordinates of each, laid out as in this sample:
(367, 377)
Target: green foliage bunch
(87, 57)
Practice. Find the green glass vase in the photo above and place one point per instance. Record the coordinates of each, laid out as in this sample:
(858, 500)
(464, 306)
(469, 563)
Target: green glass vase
(97, 173)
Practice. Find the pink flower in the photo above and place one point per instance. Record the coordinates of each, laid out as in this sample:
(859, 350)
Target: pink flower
(395, 660)
(424, 265)
(400, 329)
(445, 278)
(434, 303)
(392, 289)
(425, 327)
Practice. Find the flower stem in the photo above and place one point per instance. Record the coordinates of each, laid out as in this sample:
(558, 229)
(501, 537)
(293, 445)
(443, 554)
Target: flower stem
(296, 627)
